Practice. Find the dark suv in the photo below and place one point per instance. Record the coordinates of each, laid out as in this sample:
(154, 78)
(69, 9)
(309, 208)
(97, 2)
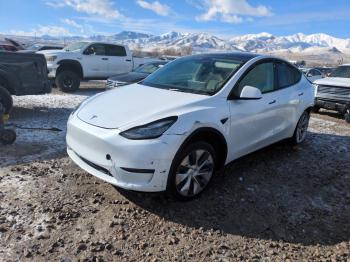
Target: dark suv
(22, 74)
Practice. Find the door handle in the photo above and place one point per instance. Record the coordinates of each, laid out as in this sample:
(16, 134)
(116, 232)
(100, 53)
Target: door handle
(128, 60)
(272, 102)
(300, 94)
(105, 58)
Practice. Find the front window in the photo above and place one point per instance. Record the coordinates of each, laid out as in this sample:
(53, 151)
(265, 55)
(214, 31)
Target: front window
(147, 68)
(341, 71)
(203, 74)
(75, 46)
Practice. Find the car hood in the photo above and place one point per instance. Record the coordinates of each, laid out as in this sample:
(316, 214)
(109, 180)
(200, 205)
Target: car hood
(131, 77)
(334, 81)
(134, 105)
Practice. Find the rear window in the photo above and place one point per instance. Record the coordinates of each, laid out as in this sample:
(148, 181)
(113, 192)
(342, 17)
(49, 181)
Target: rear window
(115, 50)
(286, 75)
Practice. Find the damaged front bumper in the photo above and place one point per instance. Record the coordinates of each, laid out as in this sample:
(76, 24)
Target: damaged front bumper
(139, 165)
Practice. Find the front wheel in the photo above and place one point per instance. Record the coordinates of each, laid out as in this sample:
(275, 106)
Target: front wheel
(191, 171)
(301, 129)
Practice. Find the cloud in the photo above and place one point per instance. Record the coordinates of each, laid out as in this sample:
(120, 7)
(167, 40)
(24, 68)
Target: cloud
(155, 6)
(232, 11)
(99, 8)
(71, 23)
(56, 31)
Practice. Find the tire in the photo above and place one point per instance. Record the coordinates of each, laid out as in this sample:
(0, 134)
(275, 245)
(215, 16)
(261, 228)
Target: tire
(6, 100)
(316, 109)
(7, 136)
(347, 116)
(300, 131)
(67, 81)
(185, 182)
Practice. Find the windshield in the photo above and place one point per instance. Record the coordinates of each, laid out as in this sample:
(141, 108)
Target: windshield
(341, 71)
(34, 47)
(147, 68)
(203, 74)
(75, 46)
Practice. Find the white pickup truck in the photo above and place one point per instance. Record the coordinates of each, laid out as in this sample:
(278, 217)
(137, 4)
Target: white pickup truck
(87, 61)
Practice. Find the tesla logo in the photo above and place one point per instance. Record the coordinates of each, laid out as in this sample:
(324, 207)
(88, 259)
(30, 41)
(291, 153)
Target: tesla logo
(93, 117)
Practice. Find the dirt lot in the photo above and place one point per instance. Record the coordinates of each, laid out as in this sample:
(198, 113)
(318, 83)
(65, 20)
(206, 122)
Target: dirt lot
(280, 203)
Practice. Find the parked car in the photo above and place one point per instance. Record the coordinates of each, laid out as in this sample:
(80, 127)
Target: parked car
(41, 47)
(333, 92)
(188, 119)
(23, 74)
(88, 61)
(312, 74)
(135, 75)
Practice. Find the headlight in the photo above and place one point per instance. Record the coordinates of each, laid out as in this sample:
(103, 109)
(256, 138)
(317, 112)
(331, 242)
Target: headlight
(50, 58)
(151, 130)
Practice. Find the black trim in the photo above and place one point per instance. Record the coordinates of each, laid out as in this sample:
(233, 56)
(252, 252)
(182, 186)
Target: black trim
(97, 167)
(224, 120)
(140, 171)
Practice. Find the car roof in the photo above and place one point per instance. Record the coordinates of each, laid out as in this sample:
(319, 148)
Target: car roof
(244, 56)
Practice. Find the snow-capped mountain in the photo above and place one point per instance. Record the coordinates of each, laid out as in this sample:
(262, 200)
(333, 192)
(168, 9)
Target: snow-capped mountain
(263, 42)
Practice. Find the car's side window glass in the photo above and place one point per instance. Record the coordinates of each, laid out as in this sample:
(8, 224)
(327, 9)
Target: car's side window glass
(286, 75)
(261, 77)
(96, 49)
(115, 50)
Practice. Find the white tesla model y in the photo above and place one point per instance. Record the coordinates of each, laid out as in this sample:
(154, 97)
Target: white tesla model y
(174, 129)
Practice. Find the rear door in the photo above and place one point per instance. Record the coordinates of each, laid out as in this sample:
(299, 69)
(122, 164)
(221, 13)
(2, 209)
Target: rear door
(120, 61)
(95, 61)
(289, 94)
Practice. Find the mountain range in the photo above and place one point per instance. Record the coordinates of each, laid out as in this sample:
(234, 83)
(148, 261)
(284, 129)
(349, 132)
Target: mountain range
(199, 42)
(263, 42)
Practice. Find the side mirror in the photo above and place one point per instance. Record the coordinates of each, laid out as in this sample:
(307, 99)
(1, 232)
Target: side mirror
(250, 93)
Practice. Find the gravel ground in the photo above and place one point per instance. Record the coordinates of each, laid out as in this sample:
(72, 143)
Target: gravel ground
(278, 204)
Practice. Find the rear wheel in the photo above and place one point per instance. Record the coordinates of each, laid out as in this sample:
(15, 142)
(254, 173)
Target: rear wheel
(67, 81)
(192, 170)
(301, 129)
(6, 99)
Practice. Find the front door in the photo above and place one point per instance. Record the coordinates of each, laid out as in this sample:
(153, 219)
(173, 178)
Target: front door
(95, 61)
(253, 122)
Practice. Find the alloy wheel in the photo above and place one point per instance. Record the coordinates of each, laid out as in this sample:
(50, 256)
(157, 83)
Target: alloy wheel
(194, 172)
(302, 128)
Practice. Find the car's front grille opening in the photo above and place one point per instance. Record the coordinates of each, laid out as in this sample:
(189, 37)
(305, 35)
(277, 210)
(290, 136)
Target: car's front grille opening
(97, 167)
(334, 90)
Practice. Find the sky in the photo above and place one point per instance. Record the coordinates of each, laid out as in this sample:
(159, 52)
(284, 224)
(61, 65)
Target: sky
(223, 18)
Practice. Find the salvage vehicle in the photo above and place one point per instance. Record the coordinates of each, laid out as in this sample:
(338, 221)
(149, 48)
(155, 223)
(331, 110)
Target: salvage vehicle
(22, 74)
(135, 75)
(333, 92)
(41, 47)
(86, 61)
(174, 129)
